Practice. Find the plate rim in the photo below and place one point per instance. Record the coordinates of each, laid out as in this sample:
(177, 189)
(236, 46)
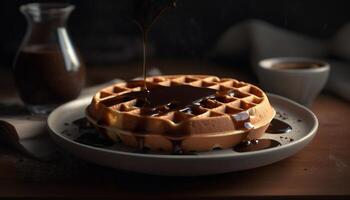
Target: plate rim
(207, 156)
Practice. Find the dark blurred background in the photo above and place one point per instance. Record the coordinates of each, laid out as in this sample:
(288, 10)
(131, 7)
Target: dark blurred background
(105, 34)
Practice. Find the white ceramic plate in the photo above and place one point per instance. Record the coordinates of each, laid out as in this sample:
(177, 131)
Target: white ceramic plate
(302, 120)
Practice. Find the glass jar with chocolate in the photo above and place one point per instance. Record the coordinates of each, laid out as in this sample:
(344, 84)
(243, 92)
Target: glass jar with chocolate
(48, 69)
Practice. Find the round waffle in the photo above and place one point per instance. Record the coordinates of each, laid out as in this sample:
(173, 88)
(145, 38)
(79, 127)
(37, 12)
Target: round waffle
(236, 111)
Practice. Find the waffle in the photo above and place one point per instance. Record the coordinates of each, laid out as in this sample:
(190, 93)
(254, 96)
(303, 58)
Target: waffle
(237, 111)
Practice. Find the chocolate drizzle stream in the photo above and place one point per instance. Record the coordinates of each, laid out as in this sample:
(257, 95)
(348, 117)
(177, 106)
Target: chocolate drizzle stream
(146, 13)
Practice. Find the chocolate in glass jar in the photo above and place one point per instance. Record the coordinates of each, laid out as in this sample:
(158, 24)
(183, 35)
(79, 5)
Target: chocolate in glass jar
(43, 76)
(48, 69)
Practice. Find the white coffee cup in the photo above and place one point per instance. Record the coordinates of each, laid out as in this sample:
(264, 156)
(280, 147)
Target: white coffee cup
(293, 78)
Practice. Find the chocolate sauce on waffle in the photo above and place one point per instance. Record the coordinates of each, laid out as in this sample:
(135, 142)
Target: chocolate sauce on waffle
(146, 13)
(256, 145)
(278, 126)
(161, 100)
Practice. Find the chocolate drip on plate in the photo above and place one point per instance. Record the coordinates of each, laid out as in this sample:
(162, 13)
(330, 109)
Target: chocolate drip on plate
(256, 145)
(89, 135)
(278, 126)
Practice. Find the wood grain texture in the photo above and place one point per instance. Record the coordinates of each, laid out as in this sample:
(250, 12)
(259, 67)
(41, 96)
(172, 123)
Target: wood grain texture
(321, 170)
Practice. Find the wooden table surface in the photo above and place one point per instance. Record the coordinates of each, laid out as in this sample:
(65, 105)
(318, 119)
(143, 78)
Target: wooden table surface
(322, 169)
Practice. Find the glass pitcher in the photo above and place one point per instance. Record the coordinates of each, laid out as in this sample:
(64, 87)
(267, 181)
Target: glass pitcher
(48, 69)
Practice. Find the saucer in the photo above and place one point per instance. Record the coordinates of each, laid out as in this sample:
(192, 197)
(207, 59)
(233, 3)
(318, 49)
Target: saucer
(304, 126)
